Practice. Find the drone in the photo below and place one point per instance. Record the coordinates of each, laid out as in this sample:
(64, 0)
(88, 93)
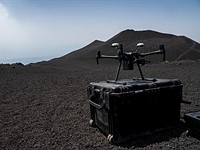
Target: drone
(128, 59)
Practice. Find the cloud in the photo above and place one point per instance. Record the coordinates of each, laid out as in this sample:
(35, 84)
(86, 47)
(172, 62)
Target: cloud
(41, 35)
(34, 36)
(3, 12)
(14, 36)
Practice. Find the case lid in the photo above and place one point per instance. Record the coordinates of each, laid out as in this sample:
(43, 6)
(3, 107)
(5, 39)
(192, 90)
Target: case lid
(135, 84)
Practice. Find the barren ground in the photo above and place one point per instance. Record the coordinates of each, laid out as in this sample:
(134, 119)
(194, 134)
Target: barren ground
(45, 107)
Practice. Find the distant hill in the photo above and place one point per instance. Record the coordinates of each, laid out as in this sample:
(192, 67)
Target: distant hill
(177, 47)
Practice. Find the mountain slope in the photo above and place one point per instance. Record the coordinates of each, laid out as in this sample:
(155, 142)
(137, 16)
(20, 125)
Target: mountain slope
(76, 55)
(177, 47)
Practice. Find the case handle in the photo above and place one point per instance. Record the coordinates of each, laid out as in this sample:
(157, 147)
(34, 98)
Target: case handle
(98, 106)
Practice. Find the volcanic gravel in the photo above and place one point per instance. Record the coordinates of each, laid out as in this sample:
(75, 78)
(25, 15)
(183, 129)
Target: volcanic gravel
(46, 107)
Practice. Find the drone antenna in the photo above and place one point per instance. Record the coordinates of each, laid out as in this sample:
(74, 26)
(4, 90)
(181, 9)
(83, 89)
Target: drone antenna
(138, 46)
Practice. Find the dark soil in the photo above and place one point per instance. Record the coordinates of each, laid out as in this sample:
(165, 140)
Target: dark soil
(46, 107)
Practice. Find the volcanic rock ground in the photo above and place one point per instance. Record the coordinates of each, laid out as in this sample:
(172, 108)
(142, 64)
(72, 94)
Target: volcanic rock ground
(46, 107)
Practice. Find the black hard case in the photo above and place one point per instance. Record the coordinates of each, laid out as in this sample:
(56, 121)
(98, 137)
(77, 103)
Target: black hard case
(129, 108)
(192, 120)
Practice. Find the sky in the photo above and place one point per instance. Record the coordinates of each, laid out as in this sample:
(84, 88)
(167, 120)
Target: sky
(36, 30)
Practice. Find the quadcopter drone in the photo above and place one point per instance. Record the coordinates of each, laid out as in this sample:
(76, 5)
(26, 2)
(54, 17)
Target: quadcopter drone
(129, 58)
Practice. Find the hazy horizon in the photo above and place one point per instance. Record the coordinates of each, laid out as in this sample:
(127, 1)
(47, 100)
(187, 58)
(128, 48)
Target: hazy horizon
(50, 29)
(25, 61)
